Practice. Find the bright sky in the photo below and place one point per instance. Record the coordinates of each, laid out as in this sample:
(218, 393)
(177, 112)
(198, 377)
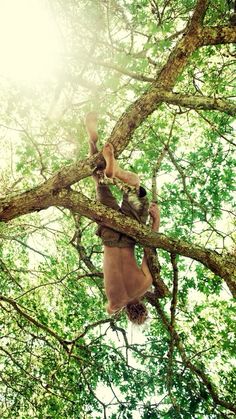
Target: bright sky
(29, 41)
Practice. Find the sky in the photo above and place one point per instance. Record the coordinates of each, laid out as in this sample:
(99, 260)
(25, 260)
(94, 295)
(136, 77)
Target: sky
(30, 44)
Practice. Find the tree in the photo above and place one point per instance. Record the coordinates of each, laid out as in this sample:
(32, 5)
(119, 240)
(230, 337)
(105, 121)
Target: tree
(161, 75)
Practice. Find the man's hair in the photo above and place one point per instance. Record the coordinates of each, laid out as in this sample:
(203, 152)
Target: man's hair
(137, 313)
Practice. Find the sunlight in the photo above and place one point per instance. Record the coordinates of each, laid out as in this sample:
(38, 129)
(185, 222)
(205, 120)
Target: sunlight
(29, 41)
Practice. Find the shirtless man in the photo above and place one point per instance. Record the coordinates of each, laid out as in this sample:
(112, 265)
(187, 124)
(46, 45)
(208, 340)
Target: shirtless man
(125, 282)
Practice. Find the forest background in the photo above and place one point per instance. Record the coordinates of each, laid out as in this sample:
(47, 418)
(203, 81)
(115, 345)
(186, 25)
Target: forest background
(161, 75)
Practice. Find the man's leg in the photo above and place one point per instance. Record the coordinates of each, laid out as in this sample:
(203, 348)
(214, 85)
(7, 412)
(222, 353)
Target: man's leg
(135, 203)
(103, 192)
(91, 126)
(112, 168)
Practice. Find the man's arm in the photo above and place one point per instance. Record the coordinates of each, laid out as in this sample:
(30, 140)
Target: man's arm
(154, 212)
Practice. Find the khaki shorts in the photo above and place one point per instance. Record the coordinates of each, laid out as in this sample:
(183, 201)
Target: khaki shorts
(134, 205)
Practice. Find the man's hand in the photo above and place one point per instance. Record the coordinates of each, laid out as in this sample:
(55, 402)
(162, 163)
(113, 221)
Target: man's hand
(154, 212)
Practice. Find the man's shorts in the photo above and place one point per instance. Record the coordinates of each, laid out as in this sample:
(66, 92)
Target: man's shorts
(134, 205)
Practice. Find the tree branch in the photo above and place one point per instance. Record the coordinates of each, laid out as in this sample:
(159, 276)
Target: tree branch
(32, 320)
(175, 289)
(214, 35)
(77, 202)
(198, 14)
(161, 290)
(172, 324)
(76, 243)
(198, 102)
(131, 74)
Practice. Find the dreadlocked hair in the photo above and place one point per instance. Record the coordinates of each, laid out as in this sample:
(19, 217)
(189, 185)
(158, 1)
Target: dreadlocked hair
(136, 312)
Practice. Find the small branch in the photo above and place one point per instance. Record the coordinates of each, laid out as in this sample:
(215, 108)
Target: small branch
(161, 290)
(172, 324)
(214, 127)
(175, 289)
(93, 393)
(158, 163)
(86, 329)
(59, 281)
(155, 170)
(32, 320)
(2, 236)
(183, 177)
(5, 269)
(121, 70)
(76, 243)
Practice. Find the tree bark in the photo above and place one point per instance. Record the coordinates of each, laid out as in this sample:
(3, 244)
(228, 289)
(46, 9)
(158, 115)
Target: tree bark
(214, 35)
(197, 102)
(225, 267)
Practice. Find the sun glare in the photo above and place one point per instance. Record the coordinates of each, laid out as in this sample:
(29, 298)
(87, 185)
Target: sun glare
(29, 41)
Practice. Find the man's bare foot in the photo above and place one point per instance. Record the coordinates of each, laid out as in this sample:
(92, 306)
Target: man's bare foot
(108, 154)
(113, 170)
(91, 126)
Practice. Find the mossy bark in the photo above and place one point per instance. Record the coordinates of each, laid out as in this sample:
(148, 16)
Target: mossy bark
(225, 267)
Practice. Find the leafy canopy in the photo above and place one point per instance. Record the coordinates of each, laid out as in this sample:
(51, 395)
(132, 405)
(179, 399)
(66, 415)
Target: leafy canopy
(61, 354)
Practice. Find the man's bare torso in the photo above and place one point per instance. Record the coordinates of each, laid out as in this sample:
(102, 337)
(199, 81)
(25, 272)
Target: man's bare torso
(124, 280)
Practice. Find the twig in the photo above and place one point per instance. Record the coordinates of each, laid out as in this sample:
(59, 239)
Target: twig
(172, 323)
(159, 161)
(175, 289)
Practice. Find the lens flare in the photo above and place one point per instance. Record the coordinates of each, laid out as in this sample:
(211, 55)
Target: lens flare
(29, 40)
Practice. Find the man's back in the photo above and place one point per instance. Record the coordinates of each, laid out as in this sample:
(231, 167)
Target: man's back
(124, 280)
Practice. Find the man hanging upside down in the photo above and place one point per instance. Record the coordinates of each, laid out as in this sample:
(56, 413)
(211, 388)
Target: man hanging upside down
(125, 282)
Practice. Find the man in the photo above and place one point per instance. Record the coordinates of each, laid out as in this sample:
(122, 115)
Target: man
(125, 282)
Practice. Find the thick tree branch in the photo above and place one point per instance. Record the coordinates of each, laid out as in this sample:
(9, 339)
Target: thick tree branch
(53, 192)
(29, 202)
(198, 14)
(73, 173)
(198, 102)
(217, 35)
(165, 80)
(224, 267)
(194, 37)
(47, 194)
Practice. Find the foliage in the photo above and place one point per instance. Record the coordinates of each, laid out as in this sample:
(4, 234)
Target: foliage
(61, 355)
